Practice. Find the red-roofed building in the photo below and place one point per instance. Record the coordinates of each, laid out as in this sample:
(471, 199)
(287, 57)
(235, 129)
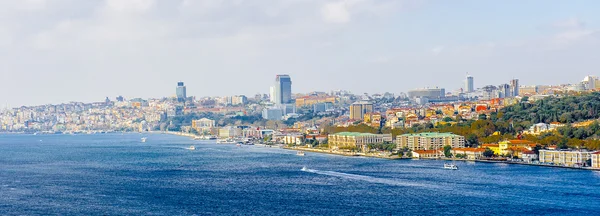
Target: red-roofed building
(471, 153)
(427, 154)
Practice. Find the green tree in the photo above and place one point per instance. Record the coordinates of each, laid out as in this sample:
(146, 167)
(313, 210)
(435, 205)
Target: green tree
(447, 151)
(488, 153)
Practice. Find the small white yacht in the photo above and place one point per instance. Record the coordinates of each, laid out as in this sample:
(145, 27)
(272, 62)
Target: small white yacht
(450, 166)
(304, 169)
(300, 153)
(144, 139)
(191, 148)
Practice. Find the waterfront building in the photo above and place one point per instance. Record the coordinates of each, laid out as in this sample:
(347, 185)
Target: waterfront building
(203, 125)
(358, 109)
(282, 90)
(181, 92)
(429, 141)
(571, 158)
(494, 147)
(471, 153)
(427, 153)
(515, 147)
(353, 140)
(596, 159)
(469, 84)
(230, 132)
(294, 139)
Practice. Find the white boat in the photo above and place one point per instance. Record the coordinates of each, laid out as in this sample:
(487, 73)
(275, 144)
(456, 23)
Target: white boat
(450, 166)
(191, 148)
(239, 145)
(144, 139)
(300, 153)
(304, 169)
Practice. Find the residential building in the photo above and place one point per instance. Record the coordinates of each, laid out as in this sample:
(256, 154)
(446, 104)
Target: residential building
(353, 140)
(181, 92)
(322, 107)
(565, 157)
(308, 101)
(429, 141)
(430, 93)
(372, 119)
(272, 113)
(358, 109)
(239, 100)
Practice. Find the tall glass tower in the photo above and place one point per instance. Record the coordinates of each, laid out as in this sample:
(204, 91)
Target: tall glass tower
(469, 84)
(282, 91)
(180, 92)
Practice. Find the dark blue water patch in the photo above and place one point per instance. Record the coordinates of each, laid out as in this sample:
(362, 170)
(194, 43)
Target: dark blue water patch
(114, 174)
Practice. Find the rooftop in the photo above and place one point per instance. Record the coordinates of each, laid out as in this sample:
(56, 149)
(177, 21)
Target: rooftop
(431, 134)
(354, 134)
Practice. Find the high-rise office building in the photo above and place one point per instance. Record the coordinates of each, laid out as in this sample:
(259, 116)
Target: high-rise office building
(281, 92)
(469, 84)
(358, 109)
(514, 87)
(181, 92)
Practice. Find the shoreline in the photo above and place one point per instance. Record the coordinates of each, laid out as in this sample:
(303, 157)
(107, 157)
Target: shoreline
(321, 151)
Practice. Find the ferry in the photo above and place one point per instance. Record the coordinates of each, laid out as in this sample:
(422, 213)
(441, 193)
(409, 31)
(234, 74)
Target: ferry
(450, 166)
(144, 139)
(300, 153)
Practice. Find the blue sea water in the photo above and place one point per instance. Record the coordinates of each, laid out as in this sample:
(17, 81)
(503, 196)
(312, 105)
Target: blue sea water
(116, 174)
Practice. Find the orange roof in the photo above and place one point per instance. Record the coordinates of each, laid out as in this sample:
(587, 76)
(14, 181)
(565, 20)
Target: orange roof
(470, 149)
(518, 149)
(528, 152)
(520, 141)
(425, 151)
(489, 145)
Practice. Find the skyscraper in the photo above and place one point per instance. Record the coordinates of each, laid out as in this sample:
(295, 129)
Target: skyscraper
(181, 92)
(282, 91)
(469, 84)
(514, 87)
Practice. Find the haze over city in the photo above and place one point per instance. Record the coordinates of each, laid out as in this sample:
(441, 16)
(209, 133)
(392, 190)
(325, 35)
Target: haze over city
(71, 50)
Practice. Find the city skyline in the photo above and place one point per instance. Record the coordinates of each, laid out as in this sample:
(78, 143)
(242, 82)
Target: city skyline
(60, 51)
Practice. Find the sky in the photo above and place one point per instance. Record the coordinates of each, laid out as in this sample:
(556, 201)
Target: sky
(56, 51)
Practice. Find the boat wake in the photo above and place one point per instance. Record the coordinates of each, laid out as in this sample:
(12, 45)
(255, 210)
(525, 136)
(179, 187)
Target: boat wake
(365, 178)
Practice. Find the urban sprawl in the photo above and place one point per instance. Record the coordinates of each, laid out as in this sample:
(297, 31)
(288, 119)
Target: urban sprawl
(539, 125)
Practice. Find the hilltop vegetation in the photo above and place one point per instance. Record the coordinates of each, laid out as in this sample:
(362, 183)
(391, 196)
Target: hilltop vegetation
(567, 109)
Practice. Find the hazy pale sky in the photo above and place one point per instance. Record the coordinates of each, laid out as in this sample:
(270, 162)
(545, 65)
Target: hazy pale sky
(54, 51)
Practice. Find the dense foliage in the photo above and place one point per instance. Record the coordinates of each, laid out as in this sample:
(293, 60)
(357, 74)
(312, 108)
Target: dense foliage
(567, 109)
